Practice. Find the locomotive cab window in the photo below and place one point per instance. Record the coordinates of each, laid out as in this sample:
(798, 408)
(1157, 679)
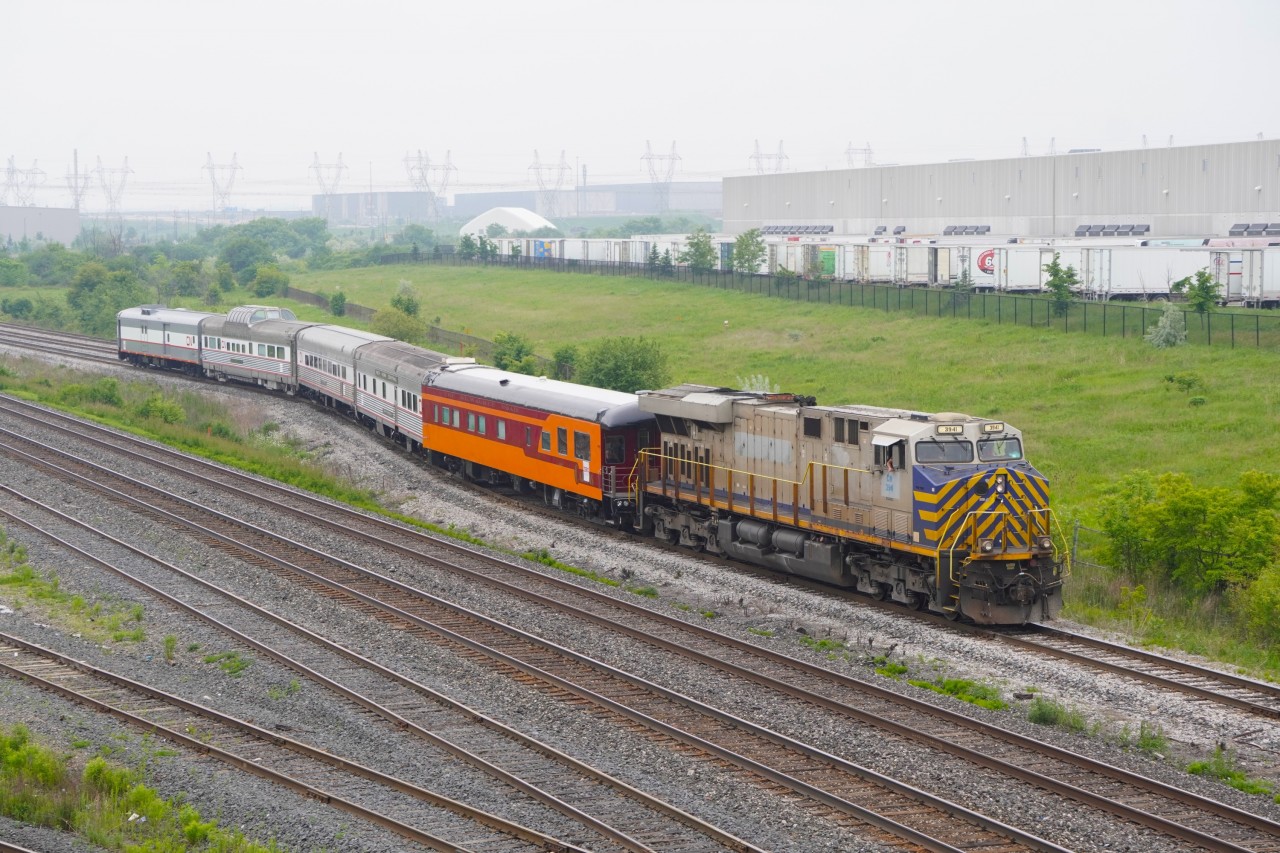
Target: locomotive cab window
(813, 427)
(890, 454)
(581, 446)
(933, 450)
(999, 449)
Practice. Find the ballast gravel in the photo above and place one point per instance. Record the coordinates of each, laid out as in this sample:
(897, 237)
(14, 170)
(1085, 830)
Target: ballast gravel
(779, 614)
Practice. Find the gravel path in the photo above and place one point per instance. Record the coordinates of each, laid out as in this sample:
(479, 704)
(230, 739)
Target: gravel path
(740, 600)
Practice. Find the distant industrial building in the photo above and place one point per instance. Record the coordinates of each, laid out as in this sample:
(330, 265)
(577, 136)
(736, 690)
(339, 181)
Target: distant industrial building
(49, 224)
(374, 208)
(1154, 192)
(641, 199)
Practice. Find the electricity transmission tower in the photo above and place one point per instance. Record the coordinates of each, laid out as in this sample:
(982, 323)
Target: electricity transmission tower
(223, 178)
(77, 182)
(21, 183)
(426, 176)
(328, 176)
(549, 189)
(660, 176)
(855, 157)
(762, 161)
(10, 180)
(112, 182)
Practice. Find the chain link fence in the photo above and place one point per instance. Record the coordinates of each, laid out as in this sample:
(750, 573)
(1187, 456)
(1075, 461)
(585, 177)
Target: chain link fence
(1107, 319)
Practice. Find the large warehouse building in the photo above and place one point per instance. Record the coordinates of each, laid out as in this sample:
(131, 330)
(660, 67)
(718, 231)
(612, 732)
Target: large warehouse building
(1187, 191)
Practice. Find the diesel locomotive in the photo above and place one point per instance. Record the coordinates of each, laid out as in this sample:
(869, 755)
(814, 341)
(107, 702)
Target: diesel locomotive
(940, 511)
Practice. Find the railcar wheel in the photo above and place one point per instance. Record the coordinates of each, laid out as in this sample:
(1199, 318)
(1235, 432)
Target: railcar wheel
(882, 592)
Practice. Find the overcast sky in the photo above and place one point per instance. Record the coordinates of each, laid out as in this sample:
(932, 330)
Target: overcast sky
(274, 83)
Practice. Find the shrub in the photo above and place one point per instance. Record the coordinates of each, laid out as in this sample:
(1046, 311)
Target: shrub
(156, 406)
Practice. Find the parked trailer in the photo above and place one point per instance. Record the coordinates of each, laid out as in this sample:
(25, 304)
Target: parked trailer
(1248, 276)
(1009, 268)
(1143, 273)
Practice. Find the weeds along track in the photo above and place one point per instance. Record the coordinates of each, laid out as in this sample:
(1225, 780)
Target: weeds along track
(59, 343)
(959, 746)
(435, 822)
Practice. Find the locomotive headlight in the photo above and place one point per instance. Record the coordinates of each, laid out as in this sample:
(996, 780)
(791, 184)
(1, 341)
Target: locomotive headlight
(987, 546)
(1000, 484)
(1045, 543)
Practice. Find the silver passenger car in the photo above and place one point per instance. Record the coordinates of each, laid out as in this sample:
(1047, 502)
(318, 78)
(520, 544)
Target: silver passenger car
(389, 379)
(253, 343)
(153, 335)
(326, 358)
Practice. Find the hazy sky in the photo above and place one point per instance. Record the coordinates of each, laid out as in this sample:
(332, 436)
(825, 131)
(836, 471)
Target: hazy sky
(167, 83)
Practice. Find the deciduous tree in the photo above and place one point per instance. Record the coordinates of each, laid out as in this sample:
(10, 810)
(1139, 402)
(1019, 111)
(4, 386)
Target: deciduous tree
(749, 252)
(623, 364)
(1203, 293)
(699, 254)
(1060, 283)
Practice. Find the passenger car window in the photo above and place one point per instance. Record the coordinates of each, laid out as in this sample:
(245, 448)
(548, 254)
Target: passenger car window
(562, 441)
(581, 445)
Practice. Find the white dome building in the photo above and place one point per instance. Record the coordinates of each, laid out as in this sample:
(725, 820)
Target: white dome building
(512, 218)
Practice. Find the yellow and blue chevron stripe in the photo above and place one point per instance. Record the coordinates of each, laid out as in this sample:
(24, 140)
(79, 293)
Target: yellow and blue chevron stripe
(957, 508)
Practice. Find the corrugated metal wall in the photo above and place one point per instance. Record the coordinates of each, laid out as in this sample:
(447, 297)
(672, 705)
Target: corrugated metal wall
(1196, 190)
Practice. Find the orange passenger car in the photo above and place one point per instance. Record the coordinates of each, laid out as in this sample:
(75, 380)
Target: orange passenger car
(575, 444)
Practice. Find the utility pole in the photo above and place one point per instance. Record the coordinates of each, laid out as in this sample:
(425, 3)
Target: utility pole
(425, 176)
(112, 182)
(223, 178)
(659, 176)
(549, 189)
(23, 182)
(776, 160)
(855, 157)
(76, 182)
(328, 176)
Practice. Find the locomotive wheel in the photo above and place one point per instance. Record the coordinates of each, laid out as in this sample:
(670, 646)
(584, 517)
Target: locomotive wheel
(882, 592)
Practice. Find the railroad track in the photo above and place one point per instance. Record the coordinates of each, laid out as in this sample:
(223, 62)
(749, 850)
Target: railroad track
(576, 679)
(615, 814)
(32, 339)
(1215, 826)
(435, 822)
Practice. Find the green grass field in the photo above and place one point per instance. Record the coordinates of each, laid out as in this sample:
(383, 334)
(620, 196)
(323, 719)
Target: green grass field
(1091, 408)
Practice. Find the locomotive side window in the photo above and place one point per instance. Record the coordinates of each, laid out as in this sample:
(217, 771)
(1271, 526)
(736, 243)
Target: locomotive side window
(562, 441)
(944, 451)
(813, 427)
(839, 430)
(581, 446)
(889, 454)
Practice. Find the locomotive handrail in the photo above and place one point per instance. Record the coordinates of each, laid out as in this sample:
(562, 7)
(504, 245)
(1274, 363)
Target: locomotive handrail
(1064, 560)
